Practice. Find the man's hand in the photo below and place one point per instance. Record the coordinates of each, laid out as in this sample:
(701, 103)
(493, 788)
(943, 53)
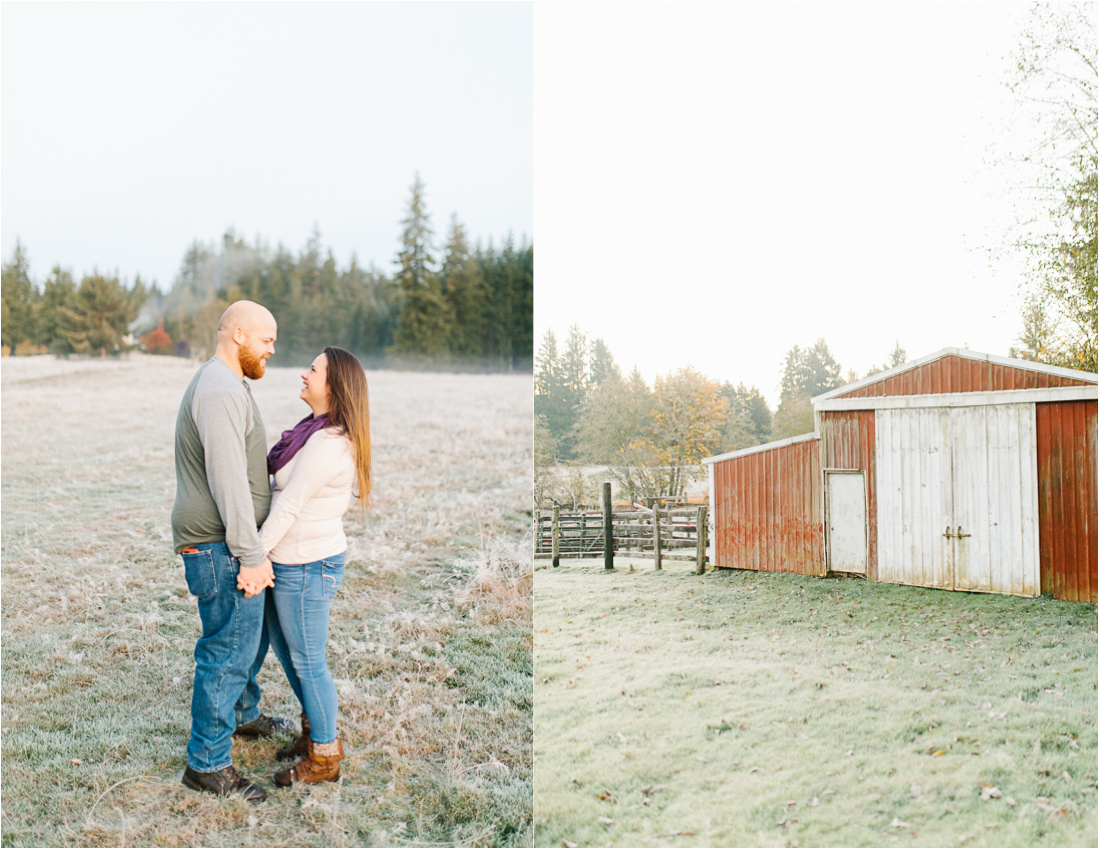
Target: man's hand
(253, 580)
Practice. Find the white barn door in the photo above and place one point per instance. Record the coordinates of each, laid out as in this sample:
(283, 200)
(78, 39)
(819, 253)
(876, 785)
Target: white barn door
(958, 498)
(847, 508)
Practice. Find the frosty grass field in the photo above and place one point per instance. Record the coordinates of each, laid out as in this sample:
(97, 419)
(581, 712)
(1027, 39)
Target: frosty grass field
(430, 641)
(748, 709)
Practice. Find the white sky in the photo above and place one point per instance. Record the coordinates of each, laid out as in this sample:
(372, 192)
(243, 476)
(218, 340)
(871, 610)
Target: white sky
(128, 130)
(715, 183)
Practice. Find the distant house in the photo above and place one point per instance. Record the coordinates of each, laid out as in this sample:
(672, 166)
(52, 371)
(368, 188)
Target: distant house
(960, 471)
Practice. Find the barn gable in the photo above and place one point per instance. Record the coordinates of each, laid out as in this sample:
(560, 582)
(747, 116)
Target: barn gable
(956, 370)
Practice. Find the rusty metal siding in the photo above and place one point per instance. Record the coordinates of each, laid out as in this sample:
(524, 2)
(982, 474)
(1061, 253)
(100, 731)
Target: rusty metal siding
(1066, 436)
(955, 374)
(848, 442)
(767, 510)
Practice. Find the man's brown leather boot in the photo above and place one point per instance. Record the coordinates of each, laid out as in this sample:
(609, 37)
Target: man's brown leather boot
(321, 764)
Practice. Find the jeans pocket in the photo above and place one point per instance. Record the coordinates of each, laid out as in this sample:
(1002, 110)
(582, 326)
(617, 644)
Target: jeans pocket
(198, 569)
(332, 575)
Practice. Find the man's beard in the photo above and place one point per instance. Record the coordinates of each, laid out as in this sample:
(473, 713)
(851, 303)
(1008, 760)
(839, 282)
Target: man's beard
(251, 364)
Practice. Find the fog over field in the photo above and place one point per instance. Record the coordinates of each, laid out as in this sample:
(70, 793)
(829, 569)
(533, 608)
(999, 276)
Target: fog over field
(429, 644)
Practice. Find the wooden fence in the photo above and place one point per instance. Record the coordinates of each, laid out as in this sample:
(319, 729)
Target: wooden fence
(663, 534)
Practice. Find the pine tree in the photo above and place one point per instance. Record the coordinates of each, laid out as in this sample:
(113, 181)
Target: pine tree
(466, 294)
(422, 329)
(18, 296)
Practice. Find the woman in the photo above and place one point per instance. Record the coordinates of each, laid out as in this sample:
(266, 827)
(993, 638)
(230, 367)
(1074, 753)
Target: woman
(317, 466)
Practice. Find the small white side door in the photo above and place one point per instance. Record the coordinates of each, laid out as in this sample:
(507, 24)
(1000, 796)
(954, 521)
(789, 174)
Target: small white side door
(847, 505)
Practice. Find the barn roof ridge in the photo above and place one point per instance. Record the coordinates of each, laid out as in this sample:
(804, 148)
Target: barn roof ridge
(1030, 365)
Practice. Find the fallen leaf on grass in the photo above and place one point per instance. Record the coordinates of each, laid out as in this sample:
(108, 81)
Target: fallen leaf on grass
(565, 842)
(77, 761)
(1010, 801)
(899, 823)
(650, 790)
(608, 796)
(606, 821)
(827, 793)
(989, 791)
(914, 790)
(814, 801)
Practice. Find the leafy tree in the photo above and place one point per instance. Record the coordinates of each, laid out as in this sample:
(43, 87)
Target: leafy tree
(688, 413)
(157, 340)
(613, 431)
(1054, 82)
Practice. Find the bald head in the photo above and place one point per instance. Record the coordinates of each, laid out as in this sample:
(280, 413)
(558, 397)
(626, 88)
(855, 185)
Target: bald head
(245, 315)
(246, 338)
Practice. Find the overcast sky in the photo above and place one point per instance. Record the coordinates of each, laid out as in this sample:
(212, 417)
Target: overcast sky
(128, 130)
(715, 183)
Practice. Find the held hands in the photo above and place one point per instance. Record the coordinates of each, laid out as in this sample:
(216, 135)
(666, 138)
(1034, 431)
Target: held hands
(253, 580)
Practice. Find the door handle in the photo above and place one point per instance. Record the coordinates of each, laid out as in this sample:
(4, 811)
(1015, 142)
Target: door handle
(947, 532)
(960, 534)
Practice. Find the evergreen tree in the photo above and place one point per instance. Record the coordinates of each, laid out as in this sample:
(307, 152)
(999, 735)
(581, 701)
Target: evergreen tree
(100, 315)
(58, 295)
(602, 365)
(466, 294)
(806, 373)
(18, 296)
(424, 323)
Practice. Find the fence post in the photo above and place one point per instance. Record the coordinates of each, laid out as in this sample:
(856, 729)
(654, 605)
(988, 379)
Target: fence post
(555, 547)
(701, 540)
(608, 540)
(657, 537)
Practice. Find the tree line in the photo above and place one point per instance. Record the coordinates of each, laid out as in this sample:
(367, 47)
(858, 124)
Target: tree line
(651, 439)
(471, 308)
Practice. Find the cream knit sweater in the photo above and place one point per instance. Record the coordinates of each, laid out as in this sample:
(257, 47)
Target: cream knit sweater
(309, 497)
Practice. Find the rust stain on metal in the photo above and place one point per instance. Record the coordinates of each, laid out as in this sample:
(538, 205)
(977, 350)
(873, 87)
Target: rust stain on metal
(1066, 437)
(767, 510)
(848, 442)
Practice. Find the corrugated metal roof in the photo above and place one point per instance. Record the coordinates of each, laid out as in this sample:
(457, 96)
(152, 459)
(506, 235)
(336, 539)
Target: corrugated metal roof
(966, 371)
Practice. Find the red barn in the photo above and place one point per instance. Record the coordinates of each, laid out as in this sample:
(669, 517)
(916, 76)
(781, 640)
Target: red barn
(960, 470)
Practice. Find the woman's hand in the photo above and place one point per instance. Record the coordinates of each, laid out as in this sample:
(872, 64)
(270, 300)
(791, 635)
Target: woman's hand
(253, 580)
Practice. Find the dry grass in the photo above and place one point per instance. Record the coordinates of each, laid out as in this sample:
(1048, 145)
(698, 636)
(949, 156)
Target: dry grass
(741, 708)
(430, 641)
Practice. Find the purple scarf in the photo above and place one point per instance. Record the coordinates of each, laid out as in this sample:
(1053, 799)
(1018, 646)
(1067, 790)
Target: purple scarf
(292, 441)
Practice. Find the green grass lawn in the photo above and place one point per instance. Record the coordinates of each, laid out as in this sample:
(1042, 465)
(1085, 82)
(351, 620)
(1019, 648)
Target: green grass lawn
(429, 642)
(743, 708)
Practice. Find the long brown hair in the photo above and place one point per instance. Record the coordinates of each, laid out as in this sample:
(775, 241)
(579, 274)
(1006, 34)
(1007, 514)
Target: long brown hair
(349, 410)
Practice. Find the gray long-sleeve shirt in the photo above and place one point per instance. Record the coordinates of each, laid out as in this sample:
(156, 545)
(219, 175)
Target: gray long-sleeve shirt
(222, 488)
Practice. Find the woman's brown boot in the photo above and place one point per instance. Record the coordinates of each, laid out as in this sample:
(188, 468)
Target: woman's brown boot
(321, 764)
(300, 747)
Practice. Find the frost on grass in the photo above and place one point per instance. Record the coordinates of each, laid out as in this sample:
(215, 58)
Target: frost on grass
(785, 710)
(429, 637)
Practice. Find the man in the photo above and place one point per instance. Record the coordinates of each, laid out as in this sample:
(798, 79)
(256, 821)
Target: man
(222, 497)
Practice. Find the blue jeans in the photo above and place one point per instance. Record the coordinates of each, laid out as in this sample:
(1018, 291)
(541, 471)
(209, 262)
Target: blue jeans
(227, 657)
(297, 624)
